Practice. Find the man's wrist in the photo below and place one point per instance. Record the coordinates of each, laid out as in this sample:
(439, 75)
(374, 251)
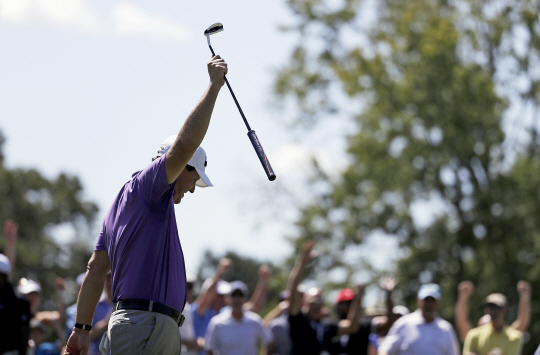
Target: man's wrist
(83, 326)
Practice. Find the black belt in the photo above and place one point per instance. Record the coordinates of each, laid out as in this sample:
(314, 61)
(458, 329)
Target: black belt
(151, 306)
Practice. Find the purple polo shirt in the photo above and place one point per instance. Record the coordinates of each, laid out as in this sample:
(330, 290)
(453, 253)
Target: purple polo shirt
(141, 239)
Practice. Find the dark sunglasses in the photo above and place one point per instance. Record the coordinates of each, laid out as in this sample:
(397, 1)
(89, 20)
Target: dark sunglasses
(493, 306)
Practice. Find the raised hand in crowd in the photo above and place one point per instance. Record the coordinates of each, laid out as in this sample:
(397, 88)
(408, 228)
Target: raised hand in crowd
(60, 287)
(206, 297)
(258, 299)
(524, 308)
(306, 256)
(387, 283)
(461, 312)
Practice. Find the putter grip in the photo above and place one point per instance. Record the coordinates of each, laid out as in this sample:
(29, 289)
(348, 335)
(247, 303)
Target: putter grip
(262, 157)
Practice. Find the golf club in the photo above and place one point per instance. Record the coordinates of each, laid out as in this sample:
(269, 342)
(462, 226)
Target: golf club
(215, 28)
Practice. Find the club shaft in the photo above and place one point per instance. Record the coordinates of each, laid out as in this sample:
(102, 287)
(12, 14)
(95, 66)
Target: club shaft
(233, 96)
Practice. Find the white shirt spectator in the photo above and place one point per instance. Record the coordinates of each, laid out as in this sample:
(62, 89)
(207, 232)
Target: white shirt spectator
(412, 335)
(228, 336)
(187, 331)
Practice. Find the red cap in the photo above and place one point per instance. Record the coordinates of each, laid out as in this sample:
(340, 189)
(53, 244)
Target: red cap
(346, 294)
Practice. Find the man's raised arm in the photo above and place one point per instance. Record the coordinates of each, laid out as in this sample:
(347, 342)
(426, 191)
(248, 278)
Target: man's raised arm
(296, 277)
(195, 127)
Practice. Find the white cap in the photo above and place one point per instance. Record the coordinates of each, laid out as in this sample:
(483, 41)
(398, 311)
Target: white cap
(5, 265)
(223, 287)
(429, 290)
(198, 161)
(191, 277)
(401, 310)
(239, 286)
(27, 286)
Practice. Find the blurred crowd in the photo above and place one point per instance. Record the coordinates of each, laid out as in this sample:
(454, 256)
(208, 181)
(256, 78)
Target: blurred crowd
(225, 317)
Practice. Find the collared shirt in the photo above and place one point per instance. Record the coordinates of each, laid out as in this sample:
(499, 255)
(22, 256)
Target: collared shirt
(236, 337)
(412, 335)
(485, 340)
(141, 239)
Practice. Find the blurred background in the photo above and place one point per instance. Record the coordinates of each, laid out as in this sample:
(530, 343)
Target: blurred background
(404, 137)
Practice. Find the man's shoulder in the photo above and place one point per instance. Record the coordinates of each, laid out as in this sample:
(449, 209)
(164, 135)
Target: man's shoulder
(444, 324)
(513, 334)
(411, 318)
(252, 316)
(222, 318)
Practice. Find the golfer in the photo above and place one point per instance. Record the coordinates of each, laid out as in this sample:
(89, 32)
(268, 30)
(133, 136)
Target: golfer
(139, 244)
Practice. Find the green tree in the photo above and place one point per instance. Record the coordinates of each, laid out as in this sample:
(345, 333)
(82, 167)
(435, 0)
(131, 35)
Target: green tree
(434, 81)
(39, 206)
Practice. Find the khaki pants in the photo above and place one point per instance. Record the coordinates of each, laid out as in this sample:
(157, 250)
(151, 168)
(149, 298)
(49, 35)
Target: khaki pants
(133, 332)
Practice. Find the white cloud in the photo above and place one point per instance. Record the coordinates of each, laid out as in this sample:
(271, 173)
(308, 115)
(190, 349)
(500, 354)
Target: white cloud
(79, 15)
(72, 14)
(131, 20)
(14, 10)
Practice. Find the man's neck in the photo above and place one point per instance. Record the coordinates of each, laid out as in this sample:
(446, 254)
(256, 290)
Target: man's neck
(428, 318)
(237, 313)
(497, 325)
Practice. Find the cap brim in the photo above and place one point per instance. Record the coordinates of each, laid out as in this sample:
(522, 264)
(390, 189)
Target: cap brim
(204, 181)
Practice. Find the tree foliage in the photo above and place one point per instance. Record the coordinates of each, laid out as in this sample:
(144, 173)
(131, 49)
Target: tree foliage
(41, 207)
(437, 84)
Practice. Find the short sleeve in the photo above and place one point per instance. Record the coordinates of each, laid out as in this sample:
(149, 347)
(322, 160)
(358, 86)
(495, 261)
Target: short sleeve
(101, 243)
(470, 344)
(151, 182)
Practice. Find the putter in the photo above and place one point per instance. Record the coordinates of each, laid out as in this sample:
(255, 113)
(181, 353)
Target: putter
(215, 28)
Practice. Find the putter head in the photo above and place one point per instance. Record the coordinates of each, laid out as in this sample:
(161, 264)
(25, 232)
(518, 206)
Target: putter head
(215, 28)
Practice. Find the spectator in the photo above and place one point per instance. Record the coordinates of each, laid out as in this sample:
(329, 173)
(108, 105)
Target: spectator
(190, 343)
(359, 342)
(422, 332)
(277, 321)
(379, 332)
(14, 314)
(466, 288)
(309, 335)
(37, 344)
(236, 331)
(31, 290)
(494, 337)
(211, 299)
